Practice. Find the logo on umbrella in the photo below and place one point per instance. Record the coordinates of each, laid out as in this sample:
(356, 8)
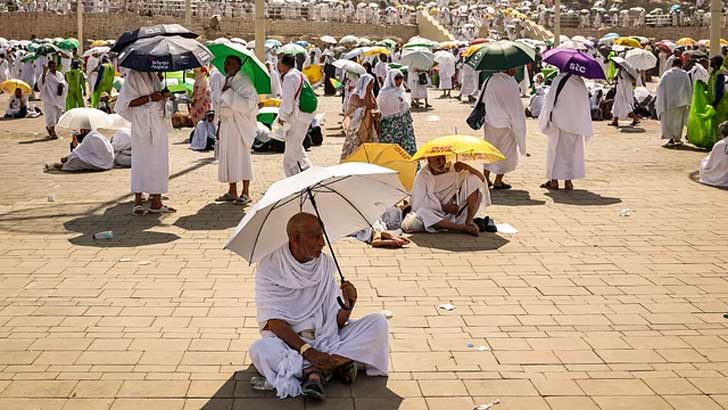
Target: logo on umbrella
(578, 68)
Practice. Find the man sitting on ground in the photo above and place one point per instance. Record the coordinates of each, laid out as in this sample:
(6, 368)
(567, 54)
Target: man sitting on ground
(306, 335)
(205, 134)
(17, 106)
(447, 197)
(92, 152)
(121, 142)
(714, 167)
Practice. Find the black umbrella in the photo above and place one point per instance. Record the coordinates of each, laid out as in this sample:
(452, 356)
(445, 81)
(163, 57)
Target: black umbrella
(130, 37)
(165, 54)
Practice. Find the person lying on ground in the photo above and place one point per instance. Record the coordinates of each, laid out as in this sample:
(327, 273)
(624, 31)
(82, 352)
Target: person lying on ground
(91, 152)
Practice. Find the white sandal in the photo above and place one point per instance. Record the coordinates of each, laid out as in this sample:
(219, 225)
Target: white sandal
(139, 210)
(163, 210)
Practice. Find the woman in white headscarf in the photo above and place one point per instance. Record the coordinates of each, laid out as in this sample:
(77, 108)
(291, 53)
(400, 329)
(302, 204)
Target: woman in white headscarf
(361, 118)
(394, 106)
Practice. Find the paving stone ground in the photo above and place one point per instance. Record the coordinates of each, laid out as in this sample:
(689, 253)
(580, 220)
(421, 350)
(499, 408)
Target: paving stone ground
(581, 309)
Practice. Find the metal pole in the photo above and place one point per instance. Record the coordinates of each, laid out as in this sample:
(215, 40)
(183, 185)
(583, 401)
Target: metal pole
(188, 13)
(79, 23)
(557, 23)
(716, 24)
(260, 29)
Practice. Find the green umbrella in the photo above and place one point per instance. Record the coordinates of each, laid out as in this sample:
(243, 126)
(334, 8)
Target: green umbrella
(267, 115)
(251, 66)
(501, 55)
(388, 42)
(33, 46)
(292, 49)
(68, 44)
(418, 45)
(45, 49)
(29, 57)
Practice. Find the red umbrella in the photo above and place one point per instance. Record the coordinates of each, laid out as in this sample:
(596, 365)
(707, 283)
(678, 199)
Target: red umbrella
(480, 40)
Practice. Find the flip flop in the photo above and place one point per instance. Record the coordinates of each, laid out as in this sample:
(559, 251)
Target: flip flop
(139, 210)
(163, 210)
(502, 186)
(226, 197)
(313, 388)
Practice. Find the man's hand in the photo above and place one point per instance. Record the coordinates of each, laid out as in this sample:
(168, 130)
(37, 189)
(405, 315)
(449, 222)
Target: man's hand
(280, 121)
(450, 208)
(322, 361)
(349, 292)
(156, 96)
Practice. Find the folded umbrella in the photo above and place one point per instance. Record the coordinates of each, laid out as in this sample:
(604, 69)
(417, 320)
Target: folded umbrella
(501, 55)
(130, 37)
(163, 54)
(574, 62)
(390, 156)
(251, 66)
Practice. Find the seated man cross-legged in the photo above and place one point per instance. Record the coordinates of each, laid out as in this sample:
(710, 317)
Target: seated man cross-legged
(447, 197)
(306, 336)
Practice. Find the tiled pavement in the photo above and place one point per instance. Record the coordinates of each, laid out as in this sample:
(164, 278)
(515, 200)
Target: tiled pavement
(581, 309)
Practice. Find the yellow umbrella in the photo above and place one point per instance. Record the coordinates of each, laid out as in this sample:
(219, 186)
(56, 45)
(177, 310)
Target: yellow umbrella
(628, 42)
(686, 41)
(99, 43)
(375, 51)
(449, 44)
(9, 87)
(390, 156)
(314, 73)
(723, 42)
(463, 147)
(472, 49)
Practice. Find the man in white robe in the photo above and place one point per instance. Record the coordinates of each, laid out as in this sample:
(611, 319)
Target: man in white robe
(27, 74)
(294, 121)
(714, 167)
(418, 91)
(446, 197)
(93, 153)
(237, 108)
(505, 124)
(4, 67)
(567, 123)
(306, 334)
(92, 70)
(381, 69)
(469, 83)
(216, 82)
(447, 71)
(142, 103)
(205, 134)
(275, 80)
(674, 95)
(53, 89)
(699, 72)
(623, 105)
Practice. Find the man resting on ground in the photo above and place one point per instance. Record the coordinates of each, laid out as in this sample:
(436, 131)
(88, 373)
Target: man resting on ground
(17, 105)
(92, 152)
(447, 197)
(306, 335)
(714, 167)
(121, 142)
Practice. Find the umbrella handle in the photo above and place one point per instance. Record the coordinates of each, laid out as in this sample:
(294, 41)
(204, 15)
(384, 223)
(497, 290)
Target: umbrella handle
(343, 306)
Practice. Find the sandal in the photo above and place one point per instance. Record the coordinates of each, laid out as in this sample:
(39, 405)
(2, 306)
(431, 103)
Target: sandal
(163, 210)
(347, 373)
(139, 210)
(568, 186)
(548, 185)
(242, 201)
(226, 197)
(313, 388)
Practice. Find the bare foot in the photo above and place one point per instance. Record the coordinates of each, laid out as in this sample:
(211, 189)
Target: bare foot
(568, 186)
(471, 229)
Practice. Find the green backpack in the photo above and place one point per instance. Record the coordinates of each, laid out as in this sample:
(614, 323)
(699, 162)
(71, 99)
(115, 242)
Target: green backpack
(308, 101)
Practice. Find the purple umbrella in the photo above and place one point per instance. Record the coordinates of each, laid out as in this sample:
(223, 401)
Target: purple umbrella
(574, 62)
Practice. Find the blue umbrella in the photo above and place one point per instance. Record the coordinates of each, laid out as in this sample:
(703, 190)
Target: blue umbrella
(303, 43)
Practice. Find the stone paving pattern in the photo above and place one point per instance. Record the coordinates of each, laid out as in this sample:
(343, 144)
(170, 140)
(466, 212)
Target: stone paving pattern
(581, 309)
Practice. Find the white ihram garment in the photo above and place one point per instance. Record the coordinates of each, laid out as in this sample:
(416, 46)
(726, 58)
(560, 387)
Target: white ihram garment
(567, 123)
(203, 131)
(304, 296)
(53, 103)
(237, 107)
(95, 150)
(624, 97)
(216, 82)
(505, 121)
(430, 191)
(469, 80)
(294, 156)
(714, 167)
(149, 133)
(121, 143)
(674, 95)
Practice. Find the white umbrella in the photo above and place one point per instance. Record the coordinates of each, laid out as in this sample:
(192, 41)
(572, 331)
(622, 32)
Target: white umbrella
(328, 39)
(350, 66)
(417, 58)
(641, 59)
(85, 119)
(96, 50)
(631, 70)
(574, 45)
(443, 55)
(239, 40)
(347, 197)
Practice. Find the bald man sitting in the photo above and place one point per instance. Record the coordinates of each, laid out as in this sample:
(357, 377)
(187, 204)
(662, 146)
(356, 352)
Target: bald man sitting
(306, 336)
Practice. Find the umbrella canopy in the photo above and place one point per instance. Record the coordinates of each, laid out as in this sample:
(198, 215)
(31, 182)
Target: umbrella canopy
(574, 45)
(348, 197)
(163, 54)
(96, 50)
(375, 51)
(350, 66)
(292, 49)
(501, 55)
(267, 115)
(165, 30)
(68, 44)
(390, 156)
(46, 49)
(666, 46)
(273, 43)
(443, 56)
(348, 39)
(609, 36)
(462, 147)
(99, 43)
(85, 119)
(449, 44)
(250, 65)
(472, 49)
(328, 39)
(641, 59)
(9, 87)
(629, 68)
(303, 43)
(417, 58)
(723, 43)
(574, 62)
(627, 42)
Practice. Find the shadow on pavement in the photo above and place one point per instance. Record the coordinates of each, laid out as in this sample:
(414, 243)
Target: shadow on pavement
(685, 147)
(695, 176)
(365, 393)
(630, 129)
(129, 230)
(37, 140)
(514, 197)
(457, 242)
(212, 217)
(581, 197)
